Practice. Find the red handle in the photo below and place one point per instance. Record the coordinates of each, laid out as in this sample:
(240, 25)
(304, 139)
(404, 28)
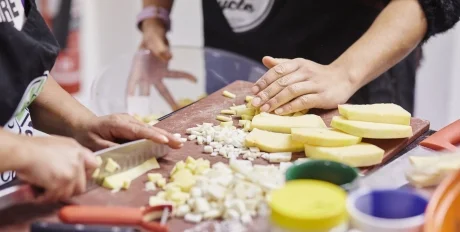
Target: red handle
(105, 215)
(444, 139)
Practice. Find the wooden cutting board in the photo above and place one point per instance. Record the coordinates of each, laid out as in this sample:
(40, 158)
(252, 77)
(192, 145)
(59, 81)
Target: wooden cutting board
(205, 111)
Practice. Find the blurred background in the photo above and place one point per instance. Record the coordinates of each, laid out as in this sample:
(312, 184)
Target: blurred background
(103, 38)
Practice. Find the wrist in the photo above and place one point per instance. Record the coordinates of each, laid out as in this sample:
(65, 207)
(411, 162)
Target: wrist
(14, 150)
(159, 14)
(351, 75)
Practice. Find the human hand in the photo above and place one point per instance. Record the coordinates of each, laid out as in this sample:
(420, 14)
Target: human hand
(102, 132)
(298, 84)
(59, 165)
(154, 39)
(148, 70)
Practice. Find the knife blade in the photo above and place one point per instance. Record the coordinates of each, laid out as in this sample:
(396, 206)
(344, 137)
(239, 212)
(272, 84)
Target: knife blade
(393, 175)
(128, 155)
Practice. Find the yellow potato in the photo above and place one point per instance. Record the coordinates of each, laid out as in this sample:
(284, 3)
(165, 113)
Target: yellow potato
(272, 142)
(381, 113)
(371, 130)
(323, 137)
(358, 155)
(284, 124)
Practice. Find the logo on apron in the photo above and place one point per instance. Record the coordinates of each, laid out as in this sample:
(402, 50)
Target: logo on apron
(245, 15)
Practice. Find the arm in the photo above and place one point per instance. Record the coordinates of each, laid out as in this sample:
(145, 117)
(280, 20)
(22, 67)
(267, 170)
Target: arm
(56, 112)
(395, 33)
(10, 144)
(293, 85)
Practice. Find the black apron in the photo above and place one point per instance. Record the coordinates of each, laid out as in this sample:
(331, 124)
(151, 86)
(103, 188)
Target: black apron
(24, 56)
(316, 30)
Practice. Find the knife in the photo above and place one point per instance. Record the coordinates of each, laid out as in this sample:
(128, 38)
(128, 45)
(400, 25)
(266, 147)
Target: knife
(127, 155)
(393, 175)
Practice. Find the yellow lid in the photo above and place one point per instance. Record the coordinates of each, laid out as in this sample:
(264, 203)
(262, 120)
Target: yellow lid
(308, 205)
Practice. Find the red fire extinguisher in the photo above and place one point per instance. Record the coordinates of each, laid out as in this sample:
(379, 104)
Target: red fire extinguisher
(63, 17)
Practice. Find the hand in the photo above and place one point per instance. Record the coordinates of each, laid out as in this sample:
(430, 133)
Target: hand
(148, 70)
(102, 132)
(58, 164)
(154, 39)
(294, 85)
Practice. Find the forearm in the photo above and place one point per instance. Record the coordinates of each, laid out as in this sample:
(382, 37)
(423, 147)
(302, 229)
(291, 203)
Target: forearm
(167, 4)
(56, 112)
(394, 34)
(10, 155)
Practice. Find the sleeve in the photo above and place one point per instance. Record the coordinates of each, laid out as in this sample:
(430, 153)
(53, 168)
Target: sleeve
(441, 15)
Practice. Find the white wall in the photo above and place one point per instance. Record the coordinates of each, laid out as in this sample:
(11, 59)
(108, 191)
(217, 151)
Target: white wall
(109, 31)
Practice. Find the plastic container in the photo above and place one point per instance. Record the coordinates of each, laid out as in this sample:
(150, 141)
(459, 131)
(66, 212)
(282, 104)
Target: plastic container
(334, 172)
(212, 69)
(386, 210)
(308, 205)
(443, 211)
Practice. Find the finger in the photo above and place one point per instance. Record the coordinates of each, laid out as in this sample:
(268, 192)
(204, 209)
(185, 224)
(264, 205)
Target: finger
(287, 94)
(181, 75)
(103, 144)
(144, 87)
(80, 183)
(135, 74)
(272, 75)
(51, 195)
(277, 87)
(159, 47)
(270, 62)
(126, 130)
(308, 101)
(166, 94)
(88, 159)
(173, 141)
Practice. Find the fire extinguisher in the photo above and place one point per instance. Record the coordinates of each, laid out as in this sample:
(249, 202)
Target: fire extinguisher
(64, 20)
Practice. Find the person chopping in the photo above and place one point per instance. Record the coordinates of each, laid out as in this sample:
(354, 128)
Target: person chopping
(332, 51)
(59, 163)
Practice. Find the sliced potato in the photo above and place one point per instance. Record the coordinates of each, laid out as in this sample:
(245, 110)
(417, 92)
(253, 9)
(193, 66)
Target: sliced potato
(116, 181)
(380, 113)
(284, 124)
(371, 129)
(272, 142)
(358, 155)
(323, 137)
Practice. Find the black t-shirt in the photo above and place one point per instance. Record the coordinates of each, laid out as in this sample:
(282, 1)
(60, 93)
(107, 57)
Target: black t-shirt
(316, 30)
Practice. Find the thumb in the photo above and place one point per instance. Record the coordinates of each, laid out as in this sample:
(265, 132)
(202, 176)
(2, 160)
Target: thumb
(89, 159)
(271, 62)
(159, 47)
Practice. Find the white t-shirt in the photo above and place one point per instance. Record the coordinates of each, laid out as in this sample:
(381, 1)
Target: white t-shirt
(12, 11)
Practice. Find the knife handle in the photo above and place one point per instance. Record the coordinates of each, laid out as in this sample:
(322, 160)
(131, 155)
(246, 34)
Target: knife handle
(444, 139)
(61, 227)
(104, 215)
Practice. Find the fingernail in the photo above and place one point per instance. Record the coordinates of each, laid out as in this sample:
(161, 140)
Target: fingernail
(255, 89)
(279, 111)
(164, 139)
(265, 108)
(255, 101)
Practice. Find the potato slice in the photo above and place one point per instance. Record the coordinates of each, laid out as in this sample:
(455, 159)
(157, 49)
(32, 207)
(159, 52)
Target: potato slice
(380, 113)
(272, 142)
(116, 181)
(358, 155)
(371, 129)
(284, 124)
(323, 137)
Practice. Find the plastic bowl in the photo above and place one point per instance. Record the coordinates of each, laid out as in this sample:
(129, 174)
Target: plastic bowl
(386, 210)
(212, 68)
(333, 172)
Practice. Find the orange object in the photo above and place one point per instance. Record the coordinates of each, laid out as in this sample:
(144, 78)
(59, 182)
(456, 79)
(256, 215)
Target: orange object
(445, 139)
(114, 215)
(443, 211)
